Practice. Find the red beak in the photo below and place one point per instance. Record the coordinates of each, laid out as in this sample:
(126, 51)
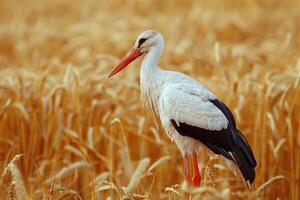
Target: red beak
(133, 54)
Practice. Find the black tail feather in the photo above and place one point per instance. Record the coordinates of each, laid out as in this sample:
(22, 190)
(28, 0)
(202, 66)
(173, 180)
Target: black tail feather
(244, 157)
(244, 165)
(246, 148)
(241, 151)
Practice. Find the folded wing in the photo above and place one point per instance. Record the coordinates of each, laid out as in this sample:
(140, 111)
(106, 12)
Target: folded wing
(197, 113)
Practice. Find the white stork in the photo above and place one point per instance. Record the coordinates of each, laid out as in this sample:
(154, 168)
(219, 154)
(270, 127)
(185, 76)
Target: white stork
(191, 114)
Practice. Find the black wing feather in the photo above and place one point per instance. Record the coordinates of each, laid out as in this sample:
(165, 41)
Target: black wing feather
(224, 141)
(238, 138)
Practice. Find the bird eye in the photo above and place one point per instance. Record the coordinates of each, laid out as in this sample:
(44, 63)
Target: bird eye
(141, 41)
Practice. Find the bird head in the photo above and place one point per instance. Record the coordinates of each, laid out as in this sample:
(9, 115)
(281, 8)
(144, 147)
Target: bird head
(145, 41)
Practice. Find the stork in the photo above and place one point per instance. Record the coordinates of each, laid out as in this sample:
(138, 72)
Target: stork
(191, 115)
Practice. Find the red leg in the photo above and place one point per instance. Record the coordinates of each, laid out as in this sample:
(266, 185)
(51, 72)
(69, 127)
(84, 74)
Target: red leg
(186, 169)
(197, 176)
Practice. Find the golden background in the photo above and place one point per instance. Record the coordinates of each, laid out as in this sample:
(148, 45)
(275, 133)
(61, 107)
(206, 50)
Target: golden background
(68, 132)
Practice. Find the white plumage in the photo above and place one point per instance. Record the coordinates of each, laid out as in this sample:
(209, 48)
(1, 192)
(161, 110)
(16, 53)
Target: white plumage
(199, 115)
(173, 95)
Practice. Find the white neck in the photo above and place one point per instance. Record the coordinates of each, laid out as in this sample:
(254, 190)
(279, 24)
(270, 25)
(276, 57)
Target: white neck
(149, 64)
(149, 76)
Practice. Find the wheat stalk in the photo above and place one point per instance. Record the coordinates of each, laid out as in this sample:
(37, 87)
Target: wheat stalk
(267, 184)
(158, 163)
(7, 168)
(17, 182)
(66, 170)
(140, 169)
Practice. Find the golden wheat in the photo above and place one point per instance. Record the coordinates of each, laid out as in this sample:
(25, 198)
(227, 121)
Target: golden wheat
(67, 170)
(17, 182)
(67, 132)
(137, 175)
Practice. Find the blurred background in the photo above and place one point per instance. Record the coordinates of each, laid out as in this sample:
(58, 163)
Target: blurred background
(68, 132)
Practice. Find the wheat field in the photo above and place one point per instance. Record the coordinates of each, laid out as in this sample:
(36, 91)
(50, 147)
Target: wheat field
(69, 132)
